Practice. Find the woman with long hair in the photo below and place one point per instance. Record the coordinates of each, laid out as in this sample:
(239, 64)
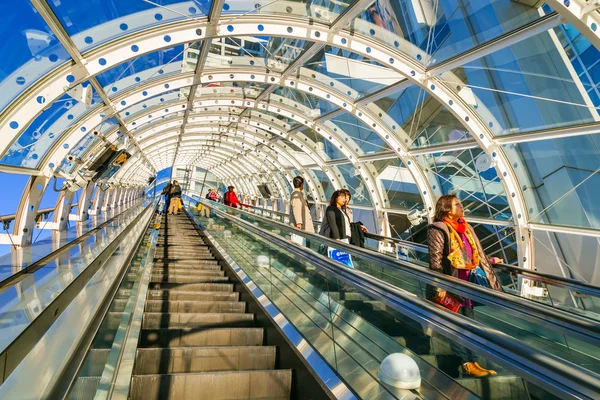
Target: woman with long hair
(455, 250)
(336, 224)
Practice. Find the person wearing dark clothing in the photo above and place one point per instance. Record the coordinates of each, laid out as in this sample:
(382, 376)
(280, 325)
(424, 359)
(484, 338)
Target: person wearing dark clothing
(166, 192)
(231, 199)
(175, 194)
(455, 250)
(336, 224)
(357, 229)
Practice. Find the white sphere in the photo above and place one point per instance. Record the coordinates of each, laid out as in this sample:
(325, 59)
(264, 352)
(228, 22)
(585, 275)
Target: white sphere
(400, 371)
(262, 261)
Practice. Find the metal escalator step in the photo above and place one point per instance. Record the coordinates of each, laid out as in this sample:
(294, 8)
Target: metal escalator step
(193, 296)
(195, 320)
(232, 385)
(188, 270)
(204, 359)
(188, 263)
(193, 287)
(171, 260)
(201, 337)
(187, 279)
(178, 306)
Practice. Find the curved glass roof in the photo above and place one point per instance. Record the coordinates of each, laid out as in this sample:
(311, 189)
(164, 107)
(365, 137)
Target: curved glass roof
(497, 101)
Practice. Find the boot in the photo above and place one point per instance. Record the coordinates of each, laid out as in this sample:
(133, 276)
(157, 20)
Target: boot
(489, 371)
(470, 369)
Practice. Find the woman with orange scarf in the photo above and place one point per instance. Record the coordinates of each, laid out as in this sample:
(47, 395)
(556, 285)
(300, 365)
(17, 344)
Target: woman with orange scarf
(455, 250)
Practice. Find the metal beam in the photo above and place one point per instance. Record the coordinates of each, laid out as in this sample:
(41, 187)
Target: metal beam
(63, 37)
(556, 133)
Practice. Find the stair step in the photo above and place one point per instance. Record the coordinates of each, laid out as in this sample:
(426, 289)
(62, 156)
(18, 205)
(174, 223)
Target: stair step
(201, 337)
(232, 385)
(188, 263)
(192, 296)
(192, 287)
(174, 259)
(85, 388)
(204, 359)
(174, 306)
(195, 320)
(187, 279)
(188, 272)
(184, 269)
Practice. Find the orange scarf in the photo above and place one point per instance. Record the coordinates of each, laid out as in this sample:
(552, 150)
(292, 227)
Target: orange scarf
(458, 256)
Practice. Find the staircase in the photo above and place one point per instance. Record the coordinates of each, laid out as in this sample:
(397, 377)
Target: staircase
(197, 341)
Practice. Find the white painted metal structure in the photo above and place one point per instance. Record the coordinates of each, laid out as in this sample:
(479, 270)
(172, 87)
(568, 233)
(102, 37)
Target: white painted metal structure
(208, 118)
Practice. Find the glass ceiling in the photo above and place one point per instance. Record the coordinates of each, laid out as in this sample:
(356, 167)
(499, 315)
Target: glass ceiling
(417, 98)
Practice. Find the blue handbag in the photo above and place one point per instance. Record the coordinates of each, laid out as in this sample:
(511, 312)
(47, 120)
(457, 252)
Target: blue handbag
(478, 277)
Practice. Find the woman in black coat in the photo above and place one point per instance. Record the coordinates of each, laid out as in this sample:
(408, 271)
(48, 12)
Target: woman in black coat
(336, 224)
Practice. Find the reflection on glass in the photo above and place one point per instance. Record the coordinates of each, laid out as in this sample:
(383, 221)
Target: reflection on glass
(324, 11)
(29, 50)
(31, 147)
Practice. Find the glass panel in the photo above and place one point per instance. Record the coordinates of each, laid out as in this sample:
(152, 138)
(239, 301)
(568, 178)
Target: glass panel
(29, 49)
(442, 29)
(99, 22)
(525, 87)
(324, 147)
(351, 180)
(320, 10)
(163, 99)
(324, 181)
(424, 119)
(366, 141)
(31, 147)
(399, 185)
(348, 73)
(469, 174)
(316, 106)
(561, 178)
(142, 69)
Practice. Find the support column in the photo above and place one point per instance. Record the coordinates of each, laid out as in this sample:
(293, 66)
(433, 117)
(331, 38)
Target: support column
(28, 208)
(98, 202)
(62, 210)
(85, 202)
(108, 199)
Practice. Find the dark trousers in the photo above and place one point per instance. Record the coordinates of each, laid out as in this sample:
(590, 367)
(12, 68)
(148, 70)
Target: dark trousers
(465, 354)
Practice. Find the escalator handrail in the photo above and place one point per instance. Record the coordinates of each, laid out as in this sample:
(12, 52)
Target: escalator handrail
(31, 268)
(554, 280)
(539, 366)
(543, 315)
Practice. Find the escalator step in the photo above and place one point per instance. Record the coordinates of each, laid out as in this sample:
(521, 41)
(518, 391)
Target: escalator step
(192, 287)
(272, 385)
(201, 337)
(193, 296)
(195, 320)
(178, 306)
(187, 279)
(204, 359)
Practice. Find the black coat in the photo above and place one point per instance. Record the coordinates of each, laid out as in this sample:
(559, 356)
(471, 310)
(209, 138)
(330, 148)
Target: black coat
(333, 226)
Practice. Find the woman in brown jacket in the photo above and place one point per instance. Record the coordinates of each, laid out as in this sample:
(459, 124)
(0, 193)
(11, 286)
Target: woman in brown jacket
(455, 250)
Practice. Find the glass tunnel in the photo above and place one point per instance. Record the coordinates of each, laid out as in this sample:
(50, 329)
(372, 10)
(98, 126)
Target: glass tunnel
(103, 104)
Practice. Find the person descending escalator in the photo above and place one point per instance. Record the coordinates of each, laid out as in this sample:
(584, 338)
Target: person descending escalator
(231, 199)
(175, 202)
(357, 229)
(455, 250)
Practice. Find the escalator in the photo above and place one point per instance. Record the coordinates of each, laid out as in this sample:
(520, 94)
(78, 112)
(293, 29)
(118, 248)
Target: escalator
(197, 340)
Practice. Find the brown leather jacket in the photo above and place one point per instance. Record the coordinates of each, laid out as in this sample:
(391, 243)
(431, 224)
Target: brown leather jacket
(438, 237)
